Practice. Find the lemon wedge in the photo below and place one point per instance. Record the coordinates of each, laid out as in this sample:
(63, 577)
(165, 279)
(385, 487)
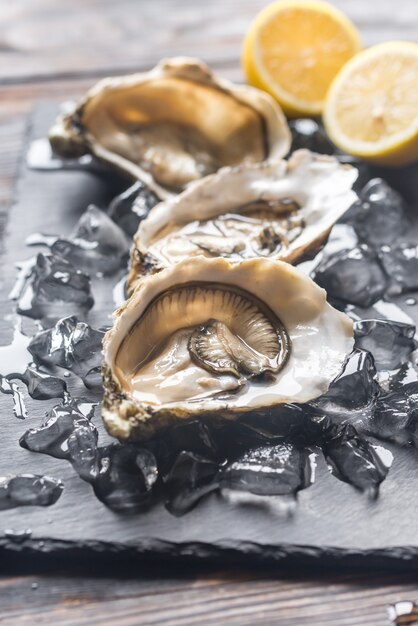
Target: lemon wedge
(295, 48)
(371, 109)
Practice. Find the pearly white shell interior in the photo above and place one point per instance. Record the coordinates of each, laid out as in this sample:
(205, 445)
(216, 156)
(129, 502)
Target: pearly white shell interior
(321, 337)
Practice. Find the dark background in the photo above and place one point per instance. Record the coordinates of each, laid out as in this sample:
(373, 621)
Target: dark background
(55, 49)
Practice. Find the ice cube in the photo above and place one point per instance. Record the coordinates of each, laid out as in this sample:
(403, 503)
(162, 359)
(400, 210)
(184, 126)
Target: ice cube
(73, 345)
(29, 490)
(97, 244)
(355, 276)
(127, 477)
(300, 424)
(42, 385)
(270, 470)
(61, 423)
(354, 460)
(390, 343)
(231, 437)
(380, 214)
(51, 288)
(194, 436)
(354, 388)
(400, 262)
(68, 433)
(190, 479)
(307, 133)
(93, 378)
(83, 452)
(130, 207)
(396, 416)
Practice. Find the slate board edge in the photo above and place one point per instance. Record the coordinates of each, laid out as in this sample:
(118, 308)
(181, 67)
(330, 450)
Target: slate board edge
(230, 552)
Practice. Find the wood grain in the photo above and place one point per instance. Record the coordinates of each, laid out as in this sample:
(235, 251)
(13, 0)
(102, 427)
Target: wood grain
(55, 50)
(180, 598)
(98, 37)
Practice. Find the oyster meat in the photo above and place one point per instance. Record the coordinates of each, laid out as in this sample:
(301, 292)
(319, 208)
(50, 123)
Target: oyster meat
(277, 209)
(173, 125)
(211, 337)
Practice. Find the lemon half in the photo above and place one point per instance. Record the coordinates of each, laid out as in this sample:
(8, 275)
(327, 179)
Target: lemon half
(295, 48)
(372, 106)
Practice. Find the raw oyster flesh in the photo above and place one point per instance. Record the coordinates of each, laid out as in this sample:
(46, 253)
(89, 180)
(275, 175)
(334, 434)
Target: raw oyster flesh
(277, 209)
(211, 337)
(172, 125)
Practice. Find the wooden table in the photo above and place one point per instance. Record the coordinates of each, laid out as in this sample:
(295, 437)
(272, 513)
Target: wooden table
(55, 49)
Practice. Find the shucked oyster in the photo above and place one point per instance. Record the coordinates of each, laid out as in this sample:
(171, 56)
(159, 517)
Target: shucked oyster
(275, 209)
(172, 125)
(207, 336)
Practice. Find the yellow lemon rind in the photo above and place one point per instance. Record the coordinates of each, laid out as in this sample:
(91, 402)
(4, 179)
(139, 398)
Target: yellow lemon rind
(393, 151)
(259, 77)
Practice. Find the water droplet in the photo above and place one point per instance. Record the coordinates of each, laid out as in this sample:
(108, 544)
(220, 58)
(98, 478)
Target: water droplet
(40, 239)
(41, 157)
(18, 536)
(29, 490)
(119, 292)
(404, 612)
(14, 358)
(391, 311)
(385, 455)
(10, 388)
(25, 269)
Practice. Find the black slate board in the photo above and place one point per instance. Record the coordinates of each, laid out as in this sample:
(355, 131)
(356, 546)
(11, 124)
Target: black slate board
(331, 521)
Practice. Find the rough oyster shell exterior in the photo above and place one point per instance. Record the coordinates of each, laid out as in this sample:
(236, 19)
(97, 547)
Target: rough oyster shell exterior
(71, 136)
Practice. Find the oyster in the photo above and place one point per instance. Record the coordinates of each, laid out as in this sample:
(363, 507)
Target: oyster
(277, 209)
(211, 337)
(172, 125)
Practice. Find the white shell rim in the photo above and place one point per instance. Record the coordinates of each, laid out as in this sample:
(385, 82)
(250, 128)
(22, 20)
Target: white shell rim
(321, 337)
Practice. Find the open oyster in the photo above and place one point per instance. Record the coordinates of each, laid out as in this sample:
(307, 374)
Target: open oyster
(206, 336)
(172, 125)
(276, 209)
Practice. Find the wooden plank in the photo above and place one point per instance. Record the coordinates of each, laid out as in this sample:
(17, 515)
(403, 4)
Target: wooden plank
(100, 37)
(197, 598)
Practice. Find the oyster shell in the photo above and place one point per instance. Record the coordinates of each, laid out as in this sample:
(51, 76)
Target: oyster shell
(278, 209)
(172, 125)
(207, 336)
